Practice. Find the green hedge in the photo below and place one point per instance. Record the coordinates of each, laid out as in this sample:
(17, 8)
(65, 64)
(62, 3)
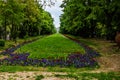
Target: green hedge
(2, 43)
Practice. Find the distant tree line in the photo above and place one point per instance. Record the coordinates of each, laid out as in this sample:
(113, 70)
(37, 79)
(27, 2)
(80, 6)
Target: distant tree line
(91, 18)
(19, 18)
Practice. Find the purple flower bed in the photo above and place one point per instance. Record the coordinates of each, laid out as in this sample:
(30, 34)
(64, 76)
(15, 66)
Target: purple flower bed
(75, 59)
(72, 60)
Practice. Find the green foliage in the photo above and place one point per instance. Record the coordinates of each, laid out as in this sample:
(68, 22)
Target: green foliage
(2, 43)
(47, 24)
(54, 46)
(22, 17)
(39, 77)
(25, 37)
(83, 18)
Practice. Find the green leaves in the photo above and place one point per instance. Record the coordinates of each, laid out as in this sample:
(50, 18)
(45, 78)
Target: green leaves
(24, 17)
(81, 18)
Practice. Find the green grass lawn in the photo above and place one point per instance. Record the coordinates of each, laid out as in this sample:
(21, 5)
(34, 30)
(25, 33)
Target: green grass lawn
(4, 68)
(10, 43)
(104, 47)
(53, 46)
(92, 76)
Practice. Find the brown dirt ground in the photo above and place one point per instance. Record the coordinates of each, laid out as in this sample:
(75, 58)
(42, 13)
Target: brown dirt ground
(31, 75)
(109, 63)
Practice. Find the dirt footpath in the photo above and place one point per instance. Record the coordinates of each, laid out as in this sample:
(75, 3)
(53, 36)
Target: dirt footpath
(32, 75)
(109, 63)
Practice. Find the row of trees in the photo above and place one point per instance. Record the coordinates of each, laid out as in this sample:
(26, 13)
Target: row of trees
(19, 18)
(91, 18)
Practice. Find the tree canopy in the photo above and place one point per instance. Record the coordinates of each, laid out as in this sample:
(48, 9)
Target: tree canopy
(91, 18)
(19, 18)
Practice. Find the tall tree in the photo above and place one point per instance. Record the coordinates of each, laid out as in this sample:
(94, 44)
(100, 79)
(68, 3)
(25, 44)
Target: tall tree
(90, 18)
(24, 17)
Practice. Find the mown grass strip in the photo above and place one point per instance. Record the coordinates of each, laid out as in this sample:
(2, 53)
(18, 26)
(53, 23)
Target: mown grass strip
(10, 43)
(53, 46)
(4, 68)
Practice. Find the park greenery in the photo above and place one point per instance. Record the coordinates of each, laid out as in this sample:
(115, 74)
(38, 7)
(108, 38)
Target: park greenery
(23, 18)
(53, 46)
(84, 48)
(91, 18)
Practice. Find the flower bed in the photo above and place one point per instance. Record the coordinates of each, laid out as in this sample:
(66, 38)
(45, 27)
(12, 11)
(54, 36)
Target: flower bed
(72, 60)
(75, 59)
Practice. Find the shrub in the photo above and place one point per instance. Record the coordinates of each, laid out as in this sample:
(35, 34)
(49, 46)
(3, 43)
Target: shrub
(2, 43)
(39, 77)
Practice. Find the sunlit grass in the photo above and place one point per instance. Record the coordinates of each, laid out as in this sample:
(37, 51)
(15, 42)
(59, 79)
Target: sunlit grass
(4, 68)
(10, 43)
(53, 46)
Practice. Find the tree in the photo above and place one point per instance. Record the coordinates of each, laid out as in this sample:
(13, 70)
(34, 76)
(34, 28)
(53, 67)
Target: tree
(91, 18)
(24, 17)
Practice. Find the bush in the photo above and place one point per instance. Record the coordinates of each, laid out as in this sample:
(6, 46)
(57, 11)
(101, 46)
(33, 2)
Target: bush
(2, 43)
(39, 77)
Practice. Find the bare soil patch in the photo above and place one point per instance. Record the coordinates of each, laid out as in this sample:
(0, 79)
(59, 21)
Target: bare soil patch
(109, 63)
(31, 75)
